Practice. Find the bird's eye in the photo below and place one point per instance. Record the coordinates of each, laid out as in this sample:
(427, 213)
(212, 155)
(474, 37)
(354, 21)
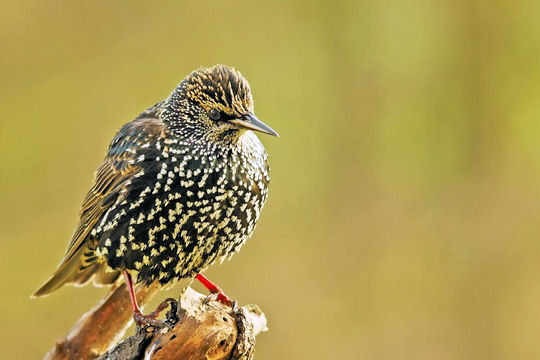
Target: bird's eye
(214, 114)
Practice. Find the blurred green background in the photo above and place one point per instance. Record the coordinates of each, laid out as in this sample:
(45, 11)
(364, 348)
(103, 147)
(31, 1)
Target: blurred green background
(402, 221)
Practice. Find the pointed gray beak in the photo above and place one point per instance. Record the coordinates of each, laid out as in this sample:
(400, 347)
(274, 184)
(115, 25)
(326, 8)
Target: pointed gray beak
(251, 122)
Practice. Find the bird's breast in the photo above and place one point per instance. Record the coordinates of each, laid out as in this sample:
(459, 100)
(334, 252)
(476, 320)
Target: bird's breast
(186, 208)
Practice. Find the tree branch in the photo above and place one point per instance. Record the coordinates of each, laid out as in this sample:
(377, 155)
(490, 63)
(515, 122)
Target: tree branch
(101, 327)
(205, 330)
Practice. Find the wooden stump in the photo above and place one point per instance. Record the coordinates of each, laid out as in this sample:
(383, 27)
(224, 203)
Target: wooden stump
(205, 330)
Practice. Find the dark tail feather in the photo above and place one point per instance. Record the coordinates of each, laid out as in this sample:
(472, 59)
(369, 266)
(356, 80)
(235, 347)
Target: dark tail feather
(65, 274)
(73, 272)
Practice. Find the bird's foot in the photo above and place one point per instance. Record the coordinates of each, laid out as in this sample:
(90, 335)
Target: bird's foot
(215, 291)
(222, 298)
(146, 320)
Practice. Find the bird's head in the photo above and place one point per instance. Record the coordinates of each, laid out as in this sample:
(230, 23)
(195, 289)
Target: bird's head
(217, 100)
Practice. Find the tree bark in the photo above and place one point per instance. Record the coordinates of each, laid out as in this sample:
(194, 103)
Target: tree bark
(101, 327)
(205, 329)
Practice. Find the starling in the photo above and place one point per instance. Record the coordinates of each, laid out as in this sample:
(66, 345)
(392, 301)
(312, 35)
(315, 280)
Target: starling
(181, 187)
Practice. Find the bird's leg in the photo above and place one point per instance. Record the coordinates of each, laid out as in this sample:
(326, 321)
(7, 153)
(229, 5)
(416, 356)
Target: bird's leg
(214, 289)
(142, 319)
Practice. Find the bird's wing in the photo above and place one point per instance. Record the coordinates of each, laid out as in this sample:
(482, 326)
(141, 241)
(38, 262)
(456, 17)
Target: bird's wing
(112, 175)
(110, 181)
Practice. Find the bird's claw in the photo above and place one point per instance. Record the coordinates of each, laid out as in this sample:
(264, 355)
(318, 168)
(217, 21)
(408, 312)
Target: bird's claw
(149, 320)
(172, 314)
(210, 297)
(234, 306)
(222, 298)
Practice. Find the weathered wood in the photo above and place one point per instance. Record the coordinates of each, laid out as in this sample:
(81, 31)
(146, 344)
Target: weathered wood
(206, 329)
(101, 327)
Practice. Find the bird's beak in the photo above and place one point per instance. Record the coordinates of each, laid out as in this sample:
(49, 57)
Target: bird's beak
(251, 122)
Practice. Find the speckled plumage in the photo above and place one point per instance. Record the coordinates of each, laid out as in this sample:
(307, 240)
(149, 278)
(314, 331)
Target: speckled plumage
(178, 189)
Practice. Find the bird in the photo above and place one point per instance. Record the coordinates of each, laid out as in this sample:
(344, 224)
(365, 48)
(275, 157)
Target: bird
(181, 188)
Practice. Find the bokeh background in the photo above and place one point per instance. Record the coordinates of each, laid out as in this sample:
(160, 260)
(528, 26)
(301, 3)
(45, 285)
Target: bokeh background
(403, 217)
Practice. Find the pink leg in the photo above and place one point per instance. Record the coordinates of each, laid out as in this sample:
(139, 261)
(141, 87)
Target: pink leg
(214, 289)
(132, 297)
(138, 316)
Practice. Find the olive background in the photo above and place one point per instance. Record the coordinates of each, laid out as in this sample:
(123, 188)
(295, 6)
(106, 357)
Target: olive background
(402, 220)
